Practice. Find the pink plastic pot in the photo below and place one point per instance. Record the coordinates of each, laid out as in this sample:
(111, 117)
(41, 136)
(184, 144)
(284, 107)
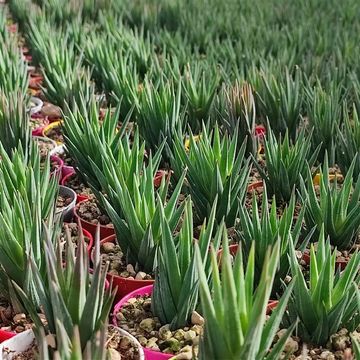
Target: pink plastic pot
(58, 171)
(65, 180)
(105, 231)
(124, 286)
(6, 335)
(39, 130)
(146, 290)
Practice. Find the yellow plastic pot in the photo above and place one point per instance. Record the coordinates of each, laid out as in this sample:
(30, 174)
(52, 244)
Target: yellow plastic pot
(51, 126)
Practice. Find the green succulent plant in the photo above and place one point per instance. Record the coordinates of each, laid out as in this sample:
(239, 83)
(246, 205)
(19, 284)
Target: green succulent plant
(338, 210)
(75, 302)
(235, 314)
(215, 168)
(176, 288)
(286, 163)
(329, 300)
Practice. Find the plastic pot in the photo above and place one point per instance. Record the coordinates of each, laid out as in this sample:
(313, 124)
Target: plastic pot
(124, 285)
(16, 345)
(256, 185)
(60, 150)
(39, 130)
(46, 140)
(272, 304)
(67, 212)
(37, 105)
(35, 82)
(260, 131)
(105, 231)
(65, 180)
(5, 335)
(49, 127)
(338, 263)
(58, 171)
(146, 290)
(133, 340)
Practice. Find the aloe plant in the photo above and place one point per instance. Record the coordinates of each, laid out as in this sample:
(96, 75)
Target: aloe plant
(84, 135)
(324, 115)
(349, 142)
(286, 163)
(235, 314)
(159, 114)
(76, 304)
(280, 101)
(200, 85)
(266, 229)
(134, 205)
(27, 197)
(176, 288)
(14, 122)
(215, 169)
(329, 300)
(13, 71)
(239, 114)
(338, 210)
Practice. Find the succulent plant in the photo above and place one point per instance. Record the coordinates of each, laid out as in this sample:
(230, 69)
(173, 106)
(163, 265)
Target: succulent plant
(27, 198)
(329, 300)
(215, 168)
(234, 313)
(266, 229)
(176, 288)
(286, 163)
(338, 210)
(14, 122)
(75, 302)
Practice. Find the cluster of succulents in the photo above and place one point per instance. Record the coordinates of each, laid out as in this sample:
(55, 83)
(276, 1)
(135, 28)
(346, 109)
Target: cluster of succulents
(219, 147)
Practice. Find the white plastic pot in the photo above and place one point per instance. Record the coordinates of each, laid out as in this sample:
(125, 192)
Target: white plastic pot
(58, 150)
(67, 211)
(134, 341)
(16, 345)
(38, 104)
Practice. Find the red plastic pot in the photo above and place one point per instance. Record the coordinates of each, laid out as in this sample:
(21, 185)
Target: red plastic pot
(124, 285)
(58, 171)
(6, 335)
(159, 176)
(338, 263)
(232, 248)
(272, 304)
(105, 231)
(146, 290)
(91, 240)
(260, 131)
(255, 186)
(35, 82)
(65, 180)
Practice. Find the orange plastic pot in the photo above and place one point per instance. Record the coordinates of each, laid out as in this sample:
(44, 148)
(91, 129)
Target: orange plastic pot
(105, 231)
(124, 285)
(255, 186)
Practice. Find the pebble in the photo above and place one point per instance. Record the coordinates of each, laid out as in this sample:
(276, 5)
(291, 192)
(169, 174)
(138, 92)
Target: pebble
(140, 275)
(147, 325)
(164, 332)
(130, 269)
(114, 354)
(196, 318)
(51, 110)
(19, 318)
(108, 247)
(327, 355)
(189, 335)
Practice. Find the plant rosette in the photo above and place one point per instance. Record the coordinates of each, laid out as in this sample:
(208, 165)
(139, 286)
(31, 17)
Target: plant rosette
(71, 180)
(89, 215)
(24, 345)
(121, 274)
(36, 105)
(159, 342)
(65, 202)
(233, 250)
(53, 131)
